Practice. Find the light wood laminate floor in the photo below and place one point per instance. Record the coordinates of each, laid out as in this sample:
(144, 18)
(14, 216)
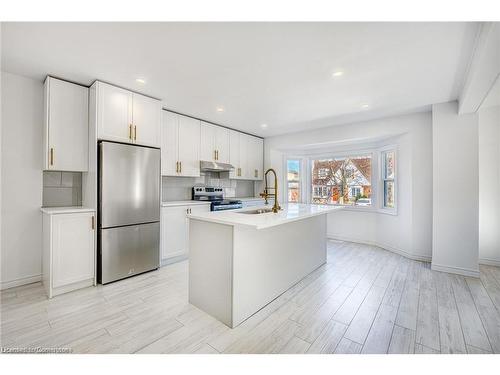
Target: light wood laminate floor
(364, 300)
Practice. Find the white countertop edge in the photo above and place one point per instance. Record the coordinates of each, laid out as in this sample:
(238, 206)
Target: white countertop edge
(219, 217)
(182, 203)
(66, 210)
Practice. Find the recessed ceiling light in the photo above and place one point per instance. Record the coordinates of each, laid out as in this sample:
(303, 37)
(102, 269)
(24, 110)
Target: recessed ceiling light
(140, 80)
(219, 109)
(365, 106)
(338, 73)
(263, 126)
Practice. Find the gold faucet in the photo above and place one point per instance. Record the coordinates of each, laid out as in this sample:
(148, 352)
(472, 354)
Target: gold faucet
(266, 194)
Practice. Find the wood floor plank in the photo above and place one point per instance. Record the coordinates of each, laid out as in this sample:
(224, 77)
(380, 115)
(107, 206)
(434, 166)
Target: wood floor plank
(450, 330)
(427, 332)
(422, 349)
(487, 311)
(329, 338)
(347, 346)
(364, 299)
(362, 321)
(402, 341)
(472, 326)
(379, 337)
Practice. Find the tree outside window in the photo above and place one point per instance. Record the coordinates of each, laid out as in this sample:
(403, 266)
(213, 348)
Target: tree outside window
(343, 181)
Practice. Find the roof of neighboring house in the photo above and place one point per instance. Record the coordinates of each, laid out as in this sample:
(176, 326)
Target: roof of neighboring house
(363, 165)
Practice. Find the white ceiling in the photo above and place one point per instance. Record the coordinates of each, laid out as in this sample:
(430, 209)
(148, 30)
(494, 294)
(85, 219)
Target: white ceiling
(279, 74)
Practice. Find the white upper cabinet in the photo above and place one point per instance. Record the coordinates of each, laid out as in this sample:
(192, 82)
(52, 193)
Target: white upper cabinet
(238, 156)
(180, 145)
(146, 118)
(214, 143)
(124, 116)
(246, 155)
(222, 144)
(66, 126)
(189, 146)
(114, 113)
(169, 144)
(255, 157)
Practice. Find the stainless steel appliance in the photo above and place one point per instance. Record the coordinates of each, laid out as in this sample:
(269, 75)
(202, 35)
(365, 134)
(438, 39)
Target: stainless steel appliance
(215, 166)
(129, 210)
(216, 196)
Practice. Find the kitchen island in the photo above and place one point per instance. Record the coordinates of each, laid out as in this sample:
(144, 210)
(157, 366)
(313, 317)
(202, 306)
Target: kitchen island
(240, 260)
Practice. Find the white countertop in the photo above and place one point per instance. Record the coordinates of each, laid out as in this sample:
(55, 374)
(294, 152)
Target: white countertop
(66, 210)
(290, 212)
(182, 203)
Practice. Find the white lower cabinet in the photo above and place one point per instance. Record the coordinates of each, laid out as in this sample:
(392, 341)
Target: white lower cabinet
(68, 250)
(175, 230)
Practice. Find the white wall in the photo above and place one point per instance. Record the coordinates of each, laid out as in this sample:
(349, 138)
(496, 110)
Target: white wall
(21, 153)
(455, 190)
(410, 231)
(489, 185)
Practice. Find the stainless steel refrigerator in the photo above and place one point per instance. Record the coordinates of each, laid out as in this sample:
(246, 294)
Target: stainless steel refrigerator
(129, 210)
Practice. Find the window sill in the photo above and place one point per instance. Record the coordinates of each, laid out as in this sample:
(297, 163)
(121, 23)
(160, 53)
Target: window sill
(372, 210)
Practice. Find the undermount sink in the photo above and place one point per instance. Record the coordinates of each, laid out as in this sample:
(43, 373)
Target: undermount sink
(257, 211)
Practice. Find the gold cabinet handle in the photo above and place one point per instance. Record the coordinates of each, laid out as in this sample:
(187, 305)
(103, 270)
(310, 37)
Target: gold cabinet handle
(215, 154)
(135, 132)
(93, 222)
(52, 156)
(176, 167)
(130, 131)
(180, 167)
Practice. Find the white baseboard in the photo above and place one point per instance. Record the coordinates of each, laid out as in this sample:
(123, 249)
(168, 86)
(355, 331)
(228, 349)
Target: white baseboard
(21, 281)
(421, 258)
(456, 270)
(166, 262)
(489, 262)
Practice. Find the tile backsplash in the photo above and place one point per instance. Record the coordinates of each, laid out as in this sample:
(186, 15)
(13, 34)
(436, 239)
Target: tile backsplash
(179, 188)
(62, 189)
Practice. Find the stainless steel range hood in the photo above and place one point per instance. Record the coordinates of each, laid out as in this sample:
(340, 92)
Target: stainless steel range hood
(215, 166)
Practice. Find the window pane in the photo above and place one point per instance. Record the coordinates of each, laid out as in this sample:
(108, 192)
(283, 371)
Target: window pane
(293, 180)
(345, 181)
(389, 194)
(389, 164)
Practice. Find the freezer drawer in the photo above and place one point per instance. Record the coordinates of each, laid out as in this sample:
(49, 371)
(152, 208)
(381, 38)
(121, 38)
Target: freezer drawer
(129, 184)
(130, 250)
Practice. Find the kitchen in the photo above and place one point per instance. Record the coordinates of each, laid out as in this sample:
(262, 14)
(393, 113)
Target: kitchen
(173, 206)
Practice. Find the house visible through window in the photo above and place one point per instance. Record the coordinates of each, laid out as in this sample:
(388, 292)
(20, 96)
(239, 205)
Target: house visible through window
(344, 181)
(388, 176)
(293, 180)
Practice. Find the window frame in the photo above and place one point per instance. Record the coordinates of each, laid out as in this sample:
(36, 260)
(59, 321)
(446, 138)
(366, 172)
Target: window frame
(382, 179)
(301, 178)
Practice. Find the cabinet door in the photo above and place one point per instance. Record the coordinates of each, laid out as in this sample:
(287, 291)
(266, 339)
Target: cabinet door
(259, 158)
(244, 155)
(189, 146)
(255, 158)
(66, 126)
(222, 144)
(114, 113)
(72, 248)
(169, 144)
(207, 142)
(174, 231)
(146, 119)
(234, 154)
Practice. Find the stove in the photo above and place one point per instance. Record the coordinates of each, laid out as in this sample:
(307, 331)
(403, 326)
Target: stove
(215, 195)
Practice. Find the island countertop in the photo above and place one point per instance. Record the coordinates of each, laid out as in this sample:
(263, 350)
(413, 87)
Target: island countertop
(290, 212)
